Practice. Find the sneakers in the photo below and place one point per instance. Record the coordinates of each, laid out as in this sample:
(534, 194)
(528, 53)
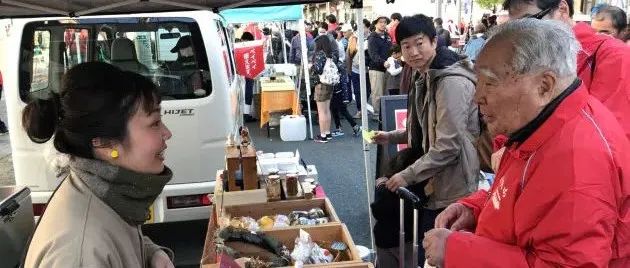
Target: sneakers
(329, 136)
(356, 130)
(3, 130)
(336, 133)
(320, 139)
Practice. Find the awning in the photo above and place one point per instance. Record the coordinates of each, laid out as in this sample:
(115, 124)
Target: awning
(74, 8)
(263, 14)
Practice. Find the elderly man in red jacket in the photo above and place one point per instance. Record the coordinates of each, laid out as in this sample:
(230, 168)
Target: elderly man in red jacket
(561, 195)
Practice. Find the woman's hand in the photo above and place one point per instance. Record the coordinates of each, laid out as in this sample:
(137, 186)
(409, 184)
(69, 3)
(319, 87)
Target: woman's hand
(456, 217)
(161, 260)
(434, 245)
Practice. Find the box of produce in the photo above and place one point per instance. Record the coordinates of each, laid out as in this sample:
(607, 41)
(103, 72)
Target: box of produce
(283, 214)
(316, 246)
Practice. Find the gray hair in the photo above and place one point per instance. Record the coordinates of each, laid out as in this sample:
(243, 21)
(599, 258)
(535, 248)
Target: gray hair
(540, 45)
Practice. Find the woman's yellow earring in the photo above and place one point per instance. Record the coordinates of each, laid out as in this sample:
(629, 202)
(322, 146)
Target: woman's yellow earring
(114, 154)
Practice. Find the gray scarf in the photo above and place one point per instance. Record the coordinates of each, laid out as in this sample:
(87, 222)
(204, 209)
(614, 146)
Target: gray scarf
(128, 193)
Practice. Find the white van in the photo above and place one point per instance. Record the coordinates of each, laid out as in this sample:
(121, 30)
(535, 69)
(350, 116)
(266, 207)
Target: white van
(197, 111)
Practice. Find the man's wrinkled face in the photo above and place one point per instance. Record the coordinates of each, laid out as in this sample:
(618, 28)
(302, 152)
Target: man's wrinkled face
(507, 100)
(605, 26)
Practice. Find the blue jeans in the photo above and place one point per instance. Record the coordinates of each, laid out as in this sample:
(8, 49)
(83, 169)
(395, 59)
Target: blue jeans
(356, 88)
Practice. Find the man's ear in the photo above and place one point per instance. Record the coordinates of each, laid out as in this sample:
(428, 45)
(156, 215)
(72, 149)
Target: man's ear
(549, 81)
(434, 42)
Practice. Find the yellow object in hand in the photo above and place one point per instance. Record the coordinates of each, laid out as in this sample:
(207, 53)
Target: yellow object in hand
(368, 135)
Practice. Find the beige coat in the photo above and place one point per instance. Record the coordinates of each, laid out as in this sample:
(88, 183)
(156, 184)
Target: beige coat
(449, 126)
(79, 230)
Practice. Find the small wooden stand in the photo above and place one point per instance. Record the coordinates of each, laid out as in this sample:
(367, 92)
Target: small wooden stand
(246, 157)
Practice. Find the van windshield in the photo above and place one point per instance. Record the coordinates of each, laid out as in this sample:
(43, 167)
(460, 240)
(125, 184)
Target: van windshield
(169, 51)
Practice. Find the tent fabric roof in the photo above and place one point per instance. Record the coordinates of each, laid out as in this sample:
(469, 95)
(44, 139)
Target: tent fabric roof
(73, 8)
(263, 14)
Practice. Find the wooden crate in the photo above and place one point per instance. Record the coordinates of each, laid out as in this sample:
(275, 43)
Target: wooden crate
(321, 234)
(257, 211)
(222, 199)
(353, 265)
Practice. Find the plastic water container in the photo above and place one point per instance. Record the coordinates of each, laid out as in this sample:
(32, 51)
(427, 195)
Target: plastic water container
(293, 128)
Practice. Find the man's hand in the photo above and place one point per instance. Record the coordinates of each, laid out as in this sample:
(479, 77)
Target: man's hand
(456, 217)
(395, 182)
(161, 260)
(434, 245)
(381, 137)
(380, 181)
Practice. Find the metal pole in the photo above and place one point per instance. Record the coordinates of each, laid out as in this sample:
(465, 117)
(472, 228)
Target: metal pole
(284, 45)
(401, 235)
(307, 79)
(414, 259)
(438, 14)
(369, 181)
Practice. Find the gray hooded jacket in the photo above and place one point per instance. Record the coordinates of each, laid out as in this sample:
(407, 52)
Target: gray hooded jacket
(447, 122)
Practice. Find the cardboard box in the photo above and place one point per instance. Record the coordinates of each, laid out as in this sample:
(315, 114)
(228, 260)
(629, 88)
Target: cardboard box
(321, 234)
(257, 211)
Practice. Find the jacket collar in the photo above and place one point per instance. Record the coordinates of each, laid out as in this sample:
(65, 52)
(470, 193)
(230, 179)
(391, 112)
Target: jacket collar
(565, 111)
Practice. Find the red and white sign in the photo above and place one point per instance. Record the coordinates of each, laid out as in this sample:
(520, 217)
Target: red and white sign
(249, 57)
(401, 123)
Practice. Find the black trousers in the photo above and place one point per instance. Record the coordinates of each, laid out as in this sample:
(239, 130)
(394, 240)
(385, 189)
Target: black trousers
(337, 107)
(249, 91)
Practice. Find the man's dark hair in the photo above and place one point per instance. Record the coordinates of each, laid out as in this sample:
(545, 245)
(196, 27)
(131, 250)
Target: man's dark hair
(247, 36)
(367, 23)
(438, 21)
(396, 16)
(616, 15)
(394, 49)
(416, 24)
(331, 18)
(541, 4)
(324, 26)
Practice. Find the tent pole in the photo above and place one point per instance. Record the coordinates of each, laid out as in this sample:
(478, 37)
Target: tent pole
(369, 181)
(284, 46)
(307, 78)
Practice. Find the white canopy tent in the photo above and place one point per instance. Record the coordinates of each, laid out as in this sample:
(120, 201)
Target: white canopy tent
(77, 8)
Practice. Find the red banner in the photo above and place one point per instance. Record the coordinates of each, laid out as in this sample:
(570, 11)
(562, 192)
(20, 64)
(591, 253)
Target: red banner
(249, 57)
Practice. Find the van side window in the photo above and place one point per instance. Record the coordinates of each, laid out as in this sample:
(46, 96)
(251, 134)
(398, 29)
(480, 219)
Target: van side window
(170, 52)
(41, 59)
(228, 53)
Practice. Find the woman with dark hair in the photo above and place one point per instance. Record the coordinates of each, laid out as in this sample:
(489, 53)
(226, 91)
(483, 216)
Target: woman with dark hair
(323, 92)
(107, 121)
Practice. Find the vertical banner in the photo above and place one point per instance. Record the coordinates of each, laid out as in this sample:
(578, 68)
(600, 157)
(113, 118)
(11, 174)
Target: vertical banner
(249, 57)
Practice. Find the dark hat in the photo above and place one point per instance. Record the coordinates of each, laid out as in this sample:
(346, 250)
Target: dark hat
(183, 42)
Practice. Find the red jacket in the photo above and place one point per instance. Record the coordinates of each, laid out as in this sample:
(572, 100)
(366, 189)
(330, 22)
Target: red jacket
(560, 199)
(610, 83)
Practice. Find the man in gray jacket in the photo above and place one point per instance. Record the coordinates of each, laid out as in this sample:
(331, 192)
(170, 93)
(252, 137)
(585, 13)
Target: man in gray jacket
(442, 118)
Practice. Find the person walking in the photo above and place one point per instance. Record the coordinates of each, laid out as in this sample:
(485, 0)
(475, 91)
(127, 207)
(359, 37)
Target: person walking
(379, 44)
(323, 71)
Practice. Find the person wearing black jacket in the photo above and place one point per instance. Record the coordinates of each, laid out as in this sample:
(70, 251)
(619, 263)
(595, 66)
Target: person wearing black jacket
(379, 44)
(386, 211)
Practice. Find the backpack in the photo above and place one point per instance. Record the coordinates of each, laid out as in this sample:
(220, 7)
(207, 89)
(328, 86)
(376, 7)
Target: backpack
(330, 74)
